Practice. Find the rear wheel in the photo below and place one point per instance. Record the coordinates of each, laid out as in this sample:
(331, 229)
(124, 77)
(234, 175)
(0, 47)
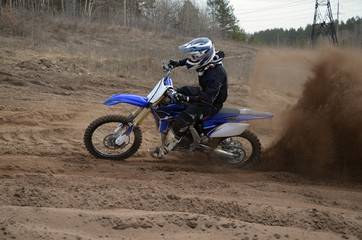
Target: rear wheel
(245, 148)
(99, 138)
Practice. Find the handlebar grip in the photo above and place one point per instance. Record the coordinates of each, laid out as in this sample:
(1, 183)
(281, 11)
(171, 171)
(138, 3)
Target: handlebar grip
(167, 67)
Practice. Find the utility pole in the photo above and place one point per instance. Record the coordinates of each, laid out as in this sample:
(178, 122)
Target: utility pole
(125, 13)
(323, 24)
(337, 19)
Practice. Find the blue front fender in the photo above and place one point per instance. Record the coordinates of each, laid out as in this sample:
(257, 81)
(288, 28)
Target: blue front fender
(136, 100)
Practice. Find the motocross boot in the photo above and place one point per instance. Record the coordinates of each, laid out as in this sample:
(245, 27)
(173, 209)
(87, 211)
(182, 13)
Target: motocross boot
(168, 144)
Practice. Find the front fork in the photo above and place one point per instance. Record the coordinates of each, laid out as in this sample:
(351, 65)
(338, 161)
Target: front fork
(136, 118)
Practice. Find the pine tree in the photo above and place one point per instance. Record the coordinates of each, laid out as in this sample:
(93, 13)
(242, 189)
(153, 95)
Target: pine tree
(223, 18)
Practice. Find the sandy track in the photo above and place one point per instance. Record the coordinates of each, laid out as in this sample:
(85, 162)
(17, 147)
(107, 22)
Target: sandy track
(134, 200)
(51, 188)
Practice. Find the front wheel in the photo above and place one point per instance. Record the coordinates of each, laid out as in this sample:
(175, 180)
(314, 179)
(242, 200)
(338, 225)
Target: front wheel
(100, 137)
(244, 150)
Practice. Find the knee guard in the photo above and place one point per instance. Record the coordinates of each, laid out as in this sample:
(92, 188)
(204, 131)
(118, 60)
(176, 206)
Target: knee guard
(182, 122)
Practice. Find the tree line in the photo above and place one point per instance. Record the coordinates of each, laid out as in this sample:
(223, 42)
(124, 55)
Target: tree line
(349, 33)
(185, 17)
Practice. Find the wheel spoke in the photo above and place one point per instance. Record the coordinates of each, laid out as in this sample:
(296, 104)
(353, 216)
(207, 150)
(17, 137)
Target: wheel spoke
(101, 143)
(246, 147)
(100, 136)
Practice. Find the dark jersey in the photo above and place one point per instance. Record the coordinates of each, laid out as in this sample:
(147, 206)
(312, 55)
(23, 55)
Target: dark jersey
(213, 83)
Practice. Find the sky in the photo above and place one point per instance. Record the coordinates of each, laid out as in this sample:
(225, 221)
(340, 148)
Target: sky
(257, 15)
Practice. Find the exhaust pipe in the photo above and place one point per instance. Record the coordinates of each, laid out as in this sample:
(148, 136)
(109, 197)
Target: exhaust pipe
(224, 154)
(218, 152)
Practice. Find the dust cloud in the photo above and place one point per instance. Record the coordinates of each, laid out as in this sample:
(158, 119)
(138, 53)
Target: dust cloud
(322, 133)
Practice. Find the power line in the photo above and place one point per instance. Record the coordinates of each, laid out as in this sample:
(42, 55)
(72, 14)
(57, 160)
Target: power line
(277, 7)
(276, 18)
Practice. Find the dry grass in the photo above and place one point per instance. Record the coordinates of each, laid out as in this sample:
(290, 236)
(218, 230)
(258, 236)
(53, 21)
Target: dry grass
(113, 50)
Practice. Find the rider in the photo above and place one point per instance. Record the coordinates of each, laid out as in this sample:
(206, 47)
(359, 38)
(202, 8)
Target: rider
(206, 99)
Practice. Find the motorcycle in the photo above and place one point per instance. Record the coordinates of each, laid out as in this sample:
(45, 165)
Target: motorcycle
(223, 135)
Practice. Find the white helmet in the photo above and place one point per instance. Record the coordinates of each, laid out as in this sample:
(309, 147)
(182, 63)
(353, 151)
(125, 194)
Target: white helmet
(201, 51)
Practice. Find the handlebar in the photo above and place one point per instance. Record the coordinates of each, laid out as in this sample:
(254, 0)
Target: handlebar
(167, 69)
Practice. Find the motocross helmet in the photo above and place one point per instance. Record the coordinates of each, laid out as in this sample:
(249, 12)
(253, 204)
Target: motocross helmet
(201, 51)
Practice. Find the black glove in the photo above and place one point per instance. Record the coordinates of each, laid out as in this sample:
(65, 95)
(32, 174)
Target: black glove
(174, 63)
(179, 98)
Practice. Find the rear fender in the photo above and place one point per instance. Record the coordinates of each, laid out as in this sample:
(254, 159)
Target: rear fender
(228, 130)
